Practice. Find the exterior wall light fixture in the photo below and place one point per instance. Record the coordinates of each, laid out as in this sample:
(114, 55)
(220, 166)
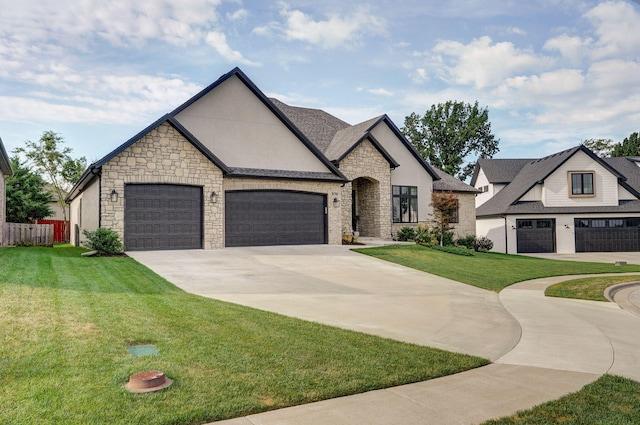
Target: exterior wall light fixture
(336, 202)
(114, 196)
(213, 197)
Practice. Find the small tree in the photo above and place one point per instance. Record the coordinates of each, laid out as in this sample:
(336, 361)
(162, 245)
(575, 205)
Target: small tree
(27, 198)
(55, 164)
(445, 208)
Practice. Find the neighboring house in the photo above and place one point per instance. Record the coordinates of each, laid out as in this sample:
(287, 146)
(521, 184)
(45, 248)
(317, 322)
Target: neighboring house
(231, 167)
(5, 171)
(571, 201)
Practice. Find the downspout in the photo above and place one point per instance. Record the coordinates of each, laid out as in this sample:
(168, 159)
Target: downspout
(506, 235)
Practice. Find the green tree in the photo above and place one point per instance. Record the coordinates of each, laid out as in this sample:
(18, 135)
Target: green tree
(630, 146)
(27, 197)
(601, 147)
(445, 209)
(452, 136)
(54, 162)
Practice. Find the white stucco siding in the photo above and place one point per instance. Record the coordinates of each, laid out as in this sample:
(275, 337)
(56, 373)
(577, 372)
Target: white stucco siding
(492, 228)
(481, 182)
(85, 211)
(409, 173)
(557, 191)
(240, 130)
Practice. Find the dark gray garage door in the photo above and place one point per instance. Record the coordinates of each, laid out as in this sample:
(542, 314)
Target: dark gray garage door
(268, 217)
(162, 216)
(607, 234)
(536, 235)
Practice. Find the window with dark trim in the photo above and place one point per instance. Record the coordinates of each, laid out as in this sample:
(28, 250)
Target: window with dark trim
(455, 217)
(581, 184)
(405, 204)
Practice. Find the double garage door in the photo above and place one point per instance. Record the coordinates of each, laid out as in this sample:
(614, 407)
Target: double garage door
(607, 234)
(164, 216)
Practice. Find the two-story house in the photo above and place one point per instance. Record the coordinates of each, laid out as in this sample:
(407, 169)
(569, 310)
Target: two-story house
(571, 201)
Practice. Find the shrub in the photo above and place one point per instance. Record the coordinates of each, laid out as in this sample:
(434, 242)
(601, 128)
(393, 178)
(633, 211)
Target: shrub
(104, 241)
(406, 234)
(483, 244)
(425, 236)
(458, 250)
(468, 242)
(447, 239)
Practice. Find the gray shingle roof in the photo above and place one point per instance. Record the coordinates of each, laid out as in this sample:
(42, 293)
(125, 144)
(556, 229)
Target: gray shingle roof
(536, 171)
(345, 138)
(282, 174)
(449, 183)
(5, 163)
(499, 171)
(316, 124)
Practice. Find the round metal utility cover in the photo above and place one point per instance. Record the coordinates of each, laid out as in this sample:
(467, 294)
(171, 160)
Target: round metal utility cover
(148, 381)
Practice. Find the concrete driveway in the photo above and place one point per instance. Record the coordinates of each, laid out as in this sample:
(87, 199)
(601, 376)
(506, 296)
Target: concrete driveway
(335, 286)
(542, 347)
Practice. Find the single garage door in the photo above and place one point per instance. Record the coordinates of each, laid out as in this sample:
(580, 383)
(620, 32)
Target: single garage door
(536, 235)
(607, 234)
(271, 217)
(162, 216)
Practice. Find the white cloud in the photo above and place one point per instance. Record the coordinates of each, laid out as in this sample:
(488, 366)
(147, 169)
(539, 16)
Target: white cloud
(238, 15)
(516, 30)
(380, 92)
(333, 32)
(616, 24)
(218, 41)
(482, 63)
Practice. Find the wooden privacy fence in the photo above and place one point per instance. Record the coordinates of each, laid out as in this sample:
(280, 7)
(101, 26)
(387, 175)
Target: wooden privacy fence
(26, 234)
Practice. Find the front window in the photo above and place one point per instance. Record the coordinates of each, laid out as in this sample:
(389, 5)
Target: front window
(405, 204)
(581, 184)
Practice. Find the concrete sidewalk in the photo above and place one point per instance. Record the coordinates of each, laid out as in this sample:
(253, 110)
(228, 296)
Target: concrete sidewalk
(542, 347)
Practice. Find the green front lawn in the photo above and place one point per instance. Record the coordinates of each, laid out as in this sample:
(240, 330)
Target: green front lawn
(609, 400)
(491, 270)
(66, 322)
(588, 288)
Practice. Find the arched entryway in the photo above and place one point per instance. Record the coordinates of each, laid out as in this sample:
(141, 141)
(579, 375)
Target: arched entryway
(365, 206)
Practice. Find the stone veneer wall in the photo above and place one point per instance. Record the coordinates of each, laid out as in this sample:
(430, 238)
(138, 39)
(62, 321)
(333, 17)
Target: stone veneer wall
(163, 156)
(332, 190)
(366, 162)
(466, 218)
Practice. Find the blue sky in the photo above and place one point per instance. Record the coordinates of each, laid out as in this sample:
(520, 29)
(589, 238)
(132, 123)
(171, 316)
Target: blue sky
(551, 72)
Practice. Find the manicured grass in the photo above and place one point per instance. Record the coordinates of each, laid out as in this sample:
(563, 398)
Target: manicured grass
(589, 288)
(609, 400)
(491, 271)
(66, 322)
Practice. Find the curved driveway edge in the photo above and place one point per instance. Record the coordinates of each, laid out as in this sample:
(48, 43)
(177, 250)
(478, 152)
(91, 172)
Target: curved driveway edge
(335, 286)
(564, 344)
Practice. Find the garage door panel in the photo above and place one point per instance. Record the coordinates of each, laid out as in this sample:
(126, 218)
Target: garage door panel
(607, 235)
(163, 217)
(254, 218)
(535, 235)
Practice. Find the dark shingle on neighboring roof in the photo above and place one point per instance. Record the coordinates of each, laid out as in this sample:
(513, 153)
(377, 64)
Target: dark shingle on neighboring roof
(448, 182)
(628, 167)
(501, 171)
(530, 174)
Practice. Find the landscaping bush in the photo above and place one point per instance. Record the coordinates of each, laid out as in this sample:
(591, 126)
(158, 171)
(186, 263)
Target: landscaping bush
(447, 239)
(468, 242)
(104, 241)
(483, 244)
(406, 234)
(458, 250)
(425, 236)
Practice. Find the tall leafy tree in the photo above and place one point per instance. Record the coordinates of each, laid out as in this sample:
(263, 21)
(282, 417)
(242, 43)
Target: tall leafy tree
(601, 147)
(452, 136)
(630, 146)
(27, 197)
(54, 162)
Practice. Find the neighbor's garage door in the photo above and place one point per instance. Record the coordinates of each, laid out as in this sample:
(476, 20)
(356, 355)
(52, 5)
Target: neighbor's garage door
(162, 216)
(536, 235)
(268, 217)
(607, 234)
